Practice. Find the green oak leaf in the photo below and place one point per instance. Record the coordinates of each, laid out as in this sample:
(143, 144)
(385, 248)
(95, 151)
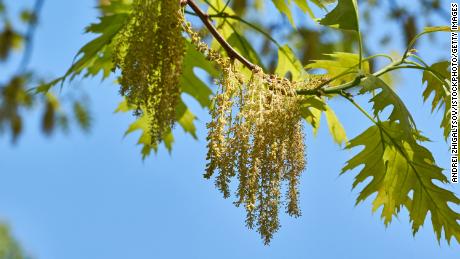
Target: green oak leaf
(95, 56)
(283, 7)
(387, 97)
(437, 84)
(335, 127)
(184, 117)
(289, 63)
(322, 3)
(117, 6)
(311, 108)
(145, 140)
(344, 16)
(242, 45)
(344, 66)
(108, 27)
(303, 5)
(403, 174)
(189, 82)
(228, 29)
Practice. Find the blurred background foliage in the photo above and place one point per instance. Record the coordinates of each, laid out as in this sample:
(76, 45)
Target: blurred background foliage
(17, 31)
(9, 247)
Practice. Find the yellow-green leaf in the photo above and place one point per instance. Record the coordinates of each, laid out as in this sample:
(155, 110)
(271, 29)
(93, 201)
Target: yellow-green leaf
(303, 5)
(288, 63)
(344, 16)
(311, 108)
(341, 65)
(283, 7)
(437, 84)
(385, 97)
(189, 82)
(335, 127)
(184, 117)
(397, 167)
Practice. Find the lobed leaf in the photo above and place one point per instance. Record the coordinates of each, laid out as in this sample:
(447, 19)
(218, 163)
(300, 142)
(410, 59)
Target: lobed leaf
(288, 63)
(189, 82)
(343, 66)
(335, 127)
(437, 84)
(283, 7)
(305, 7)
(242, 45)
(311, 109)
(108, 27)
(184, 117)
(95, 56)
(386, 97)
(403, 174)
(322, 3)
(344, 16)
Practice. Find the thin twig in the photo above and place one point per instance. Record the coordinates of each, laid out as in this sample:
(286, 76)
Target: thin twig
(231, 52)
(29, 37)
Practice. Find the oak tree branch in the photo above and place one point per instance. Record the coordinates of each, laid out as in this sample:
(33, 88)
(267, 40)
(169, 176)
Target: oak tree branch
(231, 52)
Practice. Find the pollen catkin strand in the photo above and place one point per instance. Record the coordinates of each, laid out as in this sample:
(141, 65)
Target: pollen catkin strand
(149, 52)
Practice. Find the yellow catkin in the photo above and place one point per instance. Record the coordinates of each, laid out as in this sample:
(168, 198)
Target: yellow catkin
(149, 52)
(255, 134)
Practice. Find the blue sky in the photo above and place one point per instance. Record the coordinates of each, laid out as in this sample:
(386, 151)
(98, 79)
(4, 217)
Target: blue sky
(91, 196)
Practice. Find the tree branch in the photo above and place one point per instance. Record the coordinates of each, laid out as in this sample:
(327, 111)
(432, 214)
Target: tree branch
(231, 52)
(29, 36)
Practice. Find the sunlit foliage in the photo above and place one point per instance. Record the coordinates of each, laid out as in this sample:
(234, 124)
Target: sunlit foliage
(264, 96)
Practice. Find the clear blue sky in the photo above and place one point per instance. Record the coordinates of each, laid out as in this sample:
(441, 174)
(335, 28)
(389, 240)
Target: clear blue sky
(92, 197)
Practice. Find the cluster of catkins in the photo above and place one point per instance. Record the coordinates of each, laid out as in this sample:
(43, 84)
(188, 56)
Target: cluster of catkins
(256, 130)
(149, 51)
(255, 135)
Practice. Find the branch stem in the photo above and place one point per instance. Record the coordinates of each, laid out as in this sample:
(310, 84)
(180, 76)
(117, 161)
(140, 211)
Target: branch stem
(29, 36)
(358, 79)
(231, 52)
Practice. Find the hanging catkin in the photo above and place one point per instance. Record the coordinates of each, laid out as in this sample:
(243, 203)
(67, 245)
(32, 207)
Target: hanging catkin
(149, 52)
(255, 134)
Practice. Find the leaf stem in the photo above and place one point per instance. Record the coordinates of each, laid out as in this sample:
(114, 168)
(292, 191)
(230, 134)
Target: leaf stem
(349, 98)
(356, 81)
(350, 70)
(419, 59)
(360, 42)
(360, 38)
